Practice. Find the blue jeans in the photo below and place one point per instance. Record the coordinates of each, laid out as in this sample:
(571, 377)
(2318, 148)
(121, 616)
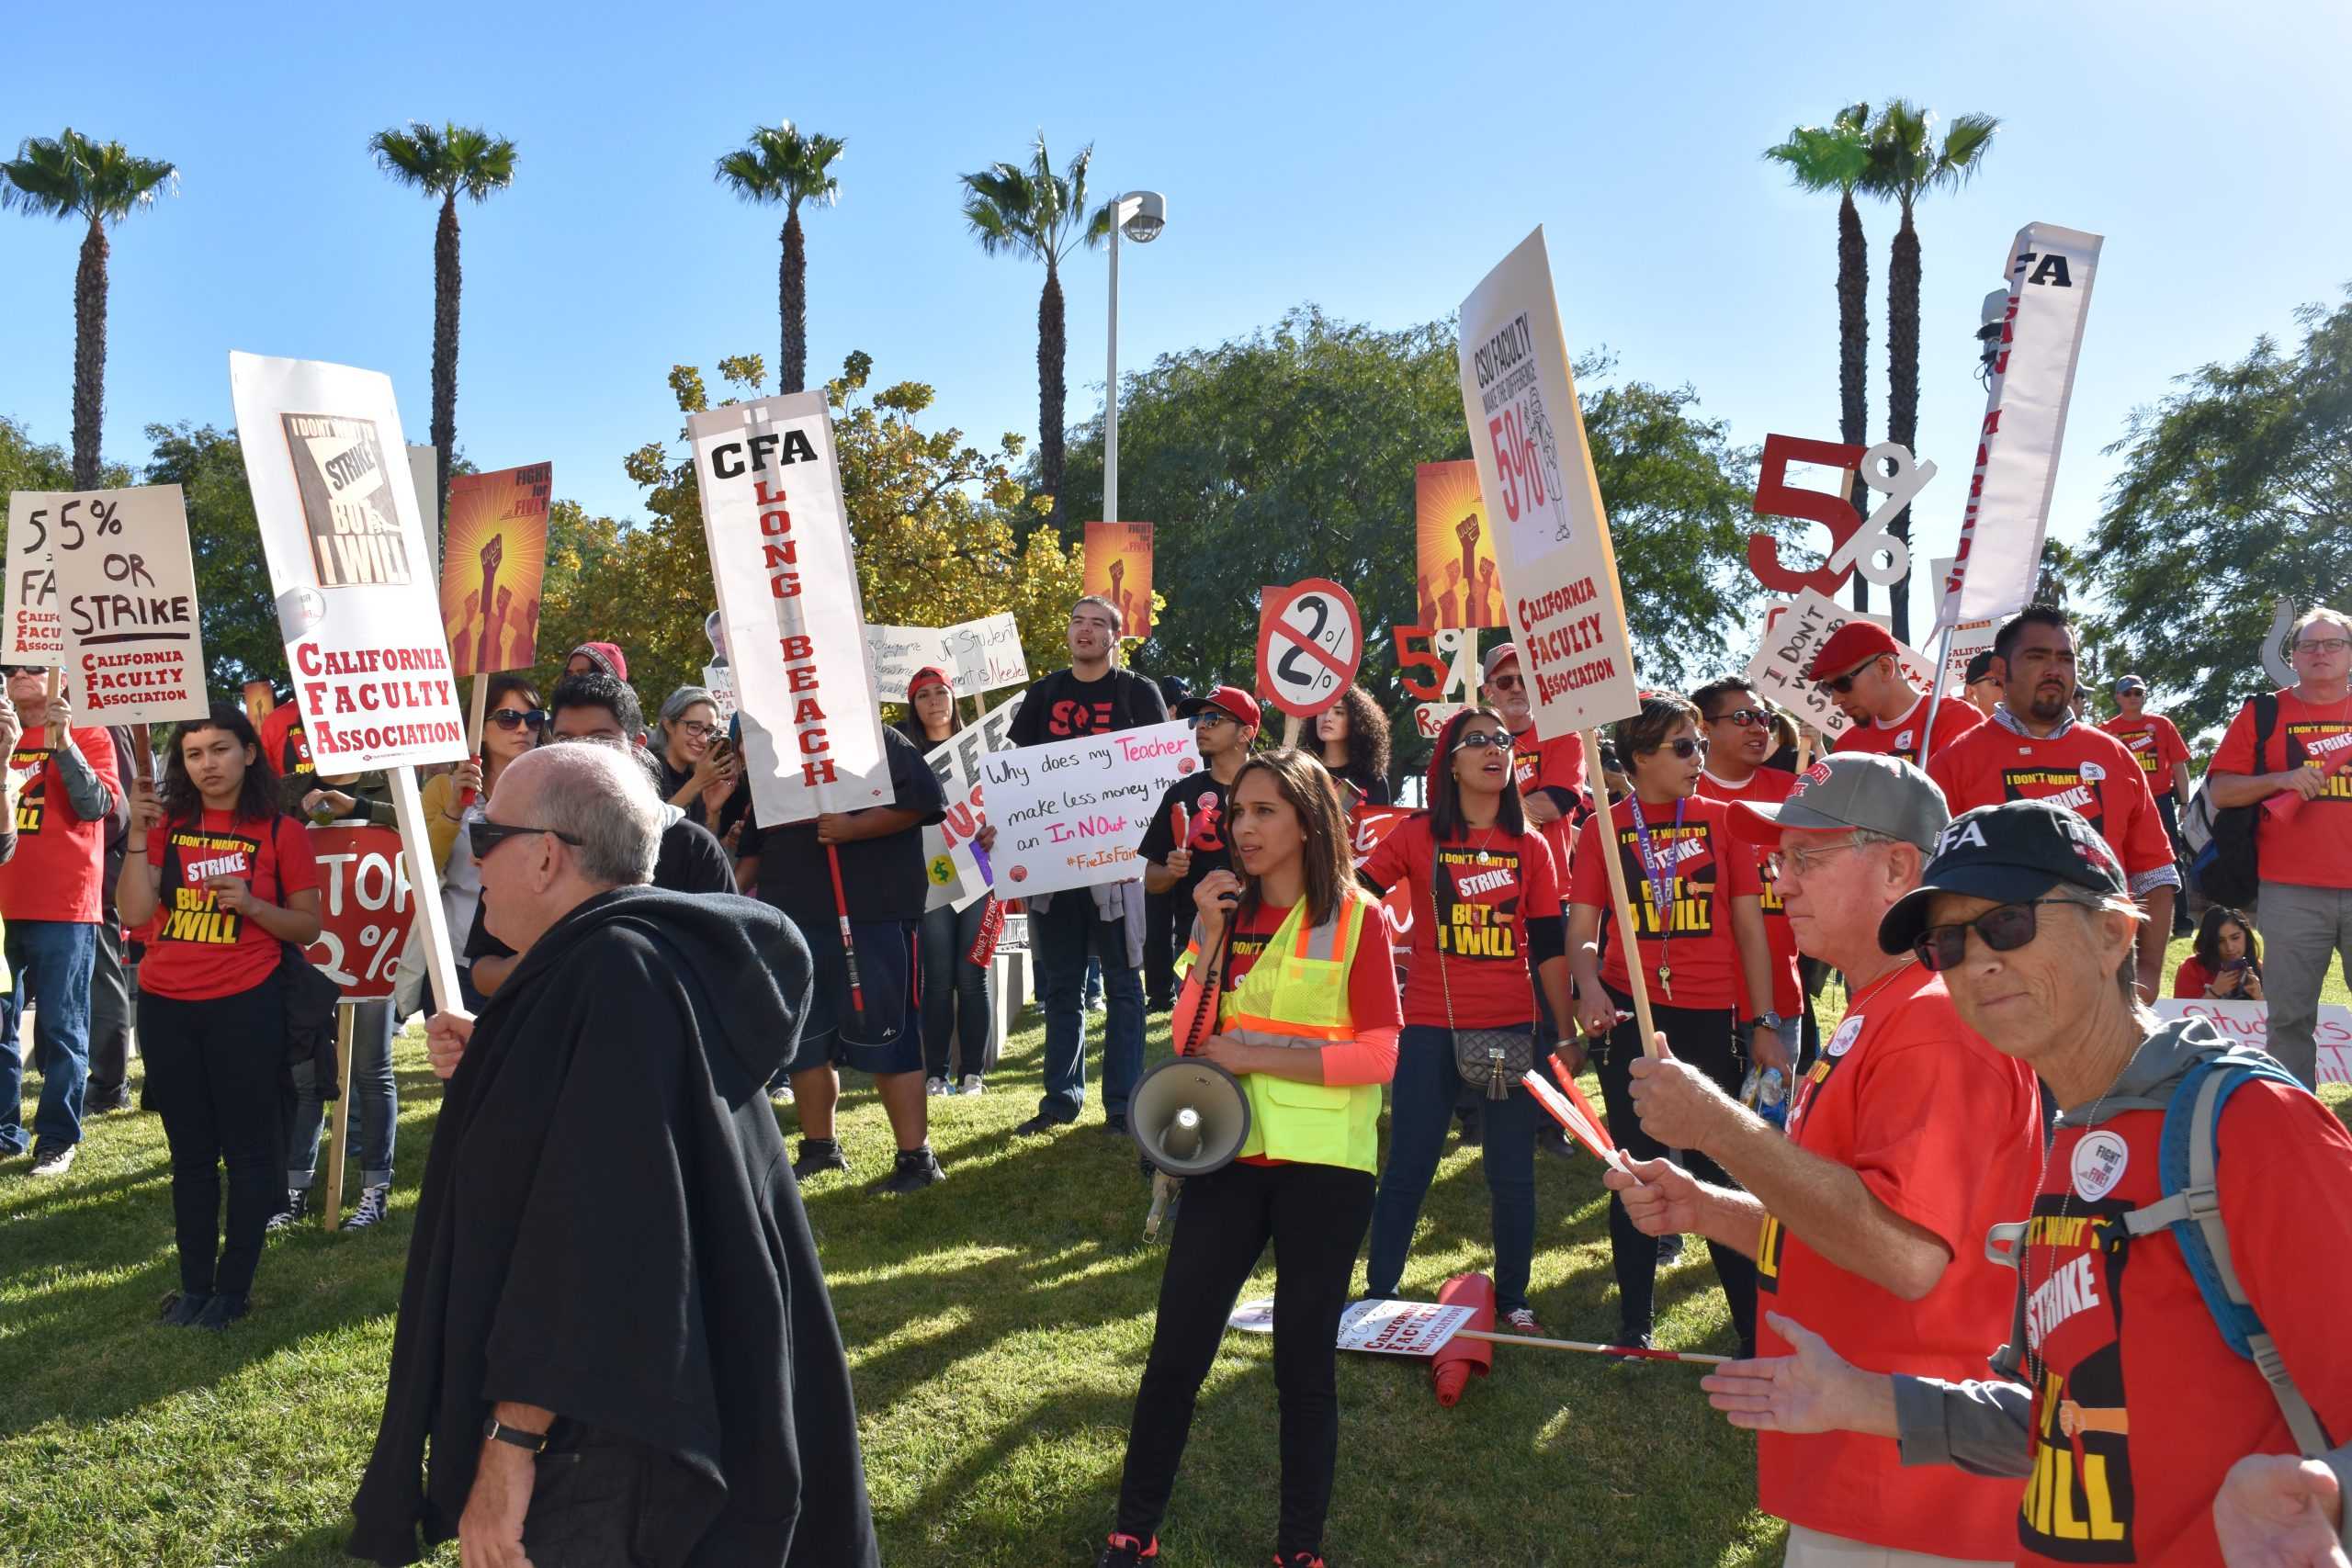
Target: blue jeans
(955, 994)
(376, 1099)
(1420, 1110)
(51, 960)
(1061, 940)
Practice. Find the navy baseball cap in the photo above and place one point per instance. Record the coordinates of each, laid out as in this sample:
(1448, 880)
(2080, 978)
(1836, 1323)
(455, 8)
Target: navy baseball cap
(2012, 854)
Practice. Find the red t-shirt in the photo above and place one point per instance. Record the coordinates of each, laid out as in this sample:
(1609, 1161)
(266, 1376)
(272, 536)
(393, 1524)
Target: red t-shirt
(1499, 881)
(199, 950)
(1551, 764)
(286, 744)
(2191, 979)
(1946, 1132)
(2314, 848)
(2082, 767)
(1954, 718)
(2151, 739)
(2124, 1350)
(1766, 786)
(1708, 868)
(61, 858)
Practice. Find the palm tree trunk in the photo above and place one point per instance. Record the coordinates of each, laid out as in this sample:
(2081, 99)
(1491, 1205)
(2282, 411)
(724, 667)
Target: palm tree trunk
(89, 355)
(1903, 380)
(1853, 354)
(448, 280)
(792, 303)
(1051, 392)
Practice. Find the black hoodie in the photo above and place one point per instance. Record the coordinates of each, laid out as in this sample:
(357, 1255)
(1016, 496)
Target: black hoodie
(609, 1229)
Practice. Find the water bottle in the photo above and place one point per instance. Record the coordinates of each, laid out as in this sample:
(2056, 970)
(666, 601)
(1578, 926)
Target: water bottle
(1766, 1092)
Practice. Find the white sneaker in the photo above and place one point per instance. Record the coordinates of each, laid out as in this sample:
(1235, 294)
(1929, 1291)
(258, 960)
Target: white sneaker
(298, 1208)
(56, 1164)
(780, 1095)
(372, 1203)
(936, 1086)
(972, 1084)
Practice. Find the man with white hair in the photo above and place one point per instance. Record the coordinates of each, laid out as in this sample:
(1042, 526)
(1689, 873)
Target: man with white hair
(615, 1341)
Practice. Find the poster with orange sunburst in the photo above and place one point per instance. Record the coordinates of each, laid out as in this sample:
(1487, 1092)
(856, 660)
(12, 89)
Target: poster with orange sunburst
(1118, 567)
(491, 566)
(1457, 582)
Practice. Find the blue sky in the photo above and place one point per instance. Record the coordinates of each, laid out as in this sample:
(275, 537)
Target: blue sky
(1373, 159)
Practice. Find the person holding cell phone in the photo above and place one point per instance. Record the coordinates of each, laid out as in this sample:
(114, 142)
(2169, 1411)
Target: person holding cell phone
(702, 769)
(2225, 963)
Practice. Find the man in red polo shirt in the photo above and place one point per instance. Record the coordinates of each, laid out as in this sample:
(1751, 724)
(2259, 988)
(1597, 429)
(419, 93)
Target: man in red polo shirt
(1738, 729)
(1861, 671)
(2164, 759)
(2033, 748)
(1906, 1142)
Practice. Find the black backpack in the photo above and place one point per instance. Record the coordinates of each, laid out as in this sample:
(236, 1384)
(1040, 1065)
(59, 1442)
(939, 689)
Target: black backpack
(2229, 868)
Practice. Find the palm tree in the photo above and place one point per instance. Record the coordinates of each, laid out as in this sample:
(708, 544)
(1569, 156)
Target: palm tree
(1033, 211)
(1836, 157)
(72, 176)
(780, 164)
(446, 162)
(1907, 162)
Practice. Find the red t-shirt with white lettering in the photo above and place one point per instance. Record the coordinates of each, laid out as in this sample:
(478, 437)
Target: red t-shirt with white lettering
(1955, 717)
(1499, 881)
(2140, 1406)
(2082, 768)
(196, 950)
(2154, 743)
(61, 857)
(2314, 847)
(286, 744)
(1766, 786)
(1704, 868)
(1947, 1132)
(1539, 764)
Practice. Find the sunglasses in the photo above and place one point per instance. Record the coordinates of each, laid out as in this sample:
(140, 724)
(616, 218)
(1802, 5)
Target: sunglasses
(22, 669)
(1746, 719)
(1506, 683)
(2004, 929)
(1845, 684)
(1210, 719)
(1685, 748)
(1482, 739)
(535, 719)
(483, 836)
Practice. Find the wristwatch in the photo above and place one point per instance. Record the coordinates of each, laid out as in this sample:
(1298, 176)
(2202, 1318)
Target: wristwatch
(1770, 1020)
(536, 1442)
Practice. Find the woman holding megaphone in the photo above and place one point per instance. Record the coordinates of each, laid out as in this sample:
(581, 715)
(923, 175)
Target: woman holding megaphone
(1290, 989)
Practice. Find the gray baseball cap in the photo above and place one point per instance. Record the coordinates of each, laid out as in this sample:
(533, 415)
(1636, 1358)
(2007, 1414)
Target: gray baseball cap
(1851, 789)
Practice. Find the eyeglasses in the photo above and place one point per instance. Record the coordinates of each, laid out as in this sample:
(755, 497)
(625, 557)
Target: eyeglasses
(1746, 719)
(1845, 684)
(1685, 748)
(2005, 930)
(1481, 739)
(2324, 645)
(1804, 860)
(699, 730)
(1506, 683)
(483, 836)
(534, 719)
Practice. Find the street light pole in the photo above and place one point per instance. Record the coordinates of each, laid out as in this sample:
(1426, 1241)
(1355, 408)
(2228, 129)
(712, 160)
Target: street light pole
(1139, 215)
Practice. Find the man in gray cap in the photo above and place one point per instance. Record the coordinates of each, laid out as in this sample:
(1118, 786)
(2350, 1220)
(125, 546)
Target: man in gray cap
(1907, 1141)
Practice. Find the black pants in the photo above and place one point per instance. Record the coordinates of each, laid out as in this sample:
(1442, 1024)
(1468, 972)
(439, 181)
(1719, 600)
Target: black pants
(1703, 1038)
(1160, 934)
(1315, 1216)
(109, 1017)
(600, 1500)
(212, 1071)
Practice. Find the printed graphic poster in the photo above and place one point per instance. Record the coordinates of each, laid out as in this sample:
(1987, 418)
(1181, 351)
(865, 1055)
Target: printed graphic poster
(1118, 567)
(1457, 581)
(495, 564)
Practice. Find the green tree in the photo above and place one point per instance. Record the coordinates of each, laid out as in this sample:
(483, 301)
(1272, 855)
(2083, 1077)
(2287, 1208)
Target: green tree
(445, 162)
(26, 464)
(1033, 211)
(779, 163)
(1908, 161)
(71, 177)
(241, 633)
(2234, 493)
(1822, 158)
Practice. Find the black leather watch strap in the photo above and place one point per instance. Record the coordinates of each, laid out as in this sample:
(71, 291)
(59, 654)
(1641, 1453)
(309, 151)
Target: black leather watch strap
(535, 1442)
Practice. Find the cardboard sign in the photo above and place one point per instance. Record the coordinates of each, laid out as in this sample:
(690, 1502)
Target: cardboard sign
(364, 908)
(1071, 813)
(1565, 608)
(35, 632)
(2051, 271)
(1118, 567)
(123, 588)
(1310, 641)
(347, 564)
(1370, 826)
(977, 656)
(720, 681)
(1793, 634)
(2248, 1023)
(493, 568)
(1457, 581)
(780, 553)
(1377, 1328)
(957, 870)
(1968, 639)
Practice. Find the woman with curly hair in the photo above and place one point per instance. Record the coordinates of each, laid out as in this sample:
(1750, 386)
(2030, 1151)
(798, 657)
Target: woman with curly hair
(1352, 738)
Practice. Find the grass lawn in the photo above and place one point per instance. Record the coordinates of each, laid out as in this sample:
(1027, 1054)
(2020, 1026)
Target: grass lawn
(996, 1324)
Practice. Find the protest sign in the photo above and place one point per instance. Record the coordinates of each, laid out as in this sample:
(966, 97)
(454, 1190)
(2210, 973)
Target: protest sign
(1369, 826)
(977, 656)
(1856, 543)
(780, 555)
(1310, 641)
(2051, 271)
(957, 870)
(1793, 634)
(35, 632)
(424, 470)
(1071, 813)
(1457, 581)
(1118, 567)
(126, 592)
(720, 681)
(345, 549)
(2248, 1023)
(1387, 1328)
(364, 907)
(1551, 533)
(1968, 639)
(492, 566)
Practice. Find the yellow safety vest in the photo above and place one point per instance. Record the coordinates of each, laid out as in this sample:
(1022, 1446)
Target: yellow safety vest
(1296, 996)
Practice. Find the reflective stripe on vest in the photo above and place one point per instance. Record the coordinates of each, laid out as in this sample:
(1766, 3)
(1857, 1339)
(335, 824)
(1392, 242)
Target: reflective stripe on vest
(1295, 996)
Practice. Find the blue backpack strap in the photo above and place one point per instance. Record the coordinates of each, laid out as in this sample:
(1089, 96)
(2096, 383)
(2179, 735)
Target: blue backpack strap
(2187, 1165)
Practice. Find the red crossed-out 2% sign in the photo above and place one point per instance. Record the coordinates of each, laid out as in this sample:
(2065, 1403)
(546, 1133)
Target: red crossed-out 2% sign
(1310, 640)
(365, 911)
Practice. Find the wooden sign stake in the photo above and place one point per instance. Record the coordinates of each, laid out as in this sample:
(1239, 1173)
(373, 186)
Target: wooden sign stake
(340, 1123)
(1613, 863)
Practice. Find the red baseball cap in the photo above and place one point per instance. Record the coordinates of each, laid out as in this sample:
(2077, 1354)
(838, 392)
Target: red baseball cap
(927, 672)
(1849, 645)
(1230, 700)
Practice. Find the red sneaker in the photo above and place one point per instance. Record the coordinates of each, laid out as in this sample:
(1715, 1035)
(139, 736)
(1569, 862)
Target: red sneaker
(1127, 1551)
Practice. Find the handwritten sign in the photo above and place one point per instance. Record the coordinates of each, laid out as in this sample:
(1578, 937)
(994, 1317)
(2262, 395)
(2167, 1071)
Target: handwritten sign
(978, 656)
(364, 909)
(1794, 633)
(1070, 814)
(35, 633)
(958, 872)
(2248, 1023)
(126, 595)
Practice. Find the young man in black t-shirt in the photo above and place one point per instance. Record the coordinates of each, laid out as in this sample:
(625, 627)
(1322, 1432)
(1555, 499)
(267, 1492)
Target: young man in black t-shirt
(1092, 697)
(883, 884)
(1225, 725)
